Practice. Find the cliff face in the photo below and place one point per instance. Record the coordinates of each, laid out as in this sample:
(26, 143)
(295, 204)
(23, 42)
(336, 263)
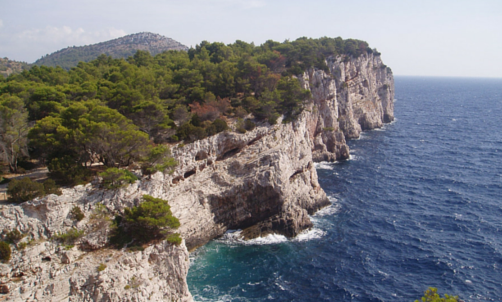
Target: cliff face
(262, 181)
(356, 95)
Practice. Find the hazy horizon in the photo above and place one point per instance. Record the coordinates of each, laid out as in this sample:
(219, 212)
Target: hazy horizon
(447, 38)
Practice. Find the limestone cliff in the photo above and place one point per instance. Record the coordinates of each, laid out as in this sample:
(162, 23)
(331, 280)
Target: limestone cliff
(262, 181)
(357, 94)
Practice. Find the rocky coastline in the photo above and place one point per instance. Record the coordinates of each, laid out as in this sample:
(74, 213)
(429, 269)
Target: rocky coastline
(263, 181)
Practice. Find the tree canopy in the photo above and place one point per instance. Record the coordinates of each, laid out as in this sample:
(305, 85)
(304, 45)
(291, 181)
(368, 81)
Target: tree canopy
(113, 110)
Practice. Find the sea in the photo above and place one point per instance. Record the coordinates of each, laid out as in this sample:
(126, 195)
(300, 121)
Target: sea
(417, 205)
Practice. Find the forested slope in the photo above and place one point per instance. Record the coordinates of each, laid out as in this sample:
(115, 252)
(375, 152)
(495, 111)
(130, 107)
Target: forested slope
(117, 111)
(118, 48)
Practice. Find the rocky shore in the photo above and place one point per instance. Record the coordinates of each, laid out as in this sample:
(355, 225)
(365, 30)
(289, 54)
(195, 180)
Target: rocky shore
(262, 181)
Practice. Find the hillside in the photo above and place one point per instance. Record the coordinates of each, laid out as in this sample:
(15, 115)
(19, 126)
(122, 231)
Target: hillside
(118, 48)
(8, 67)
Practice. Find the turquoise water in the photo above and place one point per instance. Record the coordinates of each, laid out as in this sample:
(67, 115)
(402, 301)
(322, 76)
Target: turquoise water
(418, 204)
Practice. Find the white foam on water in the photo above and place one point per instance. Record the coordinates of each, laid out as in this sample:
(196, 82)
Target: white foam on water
(310, 235)
(352, 157)
(328, 211)
(324, 165)
(235, 236)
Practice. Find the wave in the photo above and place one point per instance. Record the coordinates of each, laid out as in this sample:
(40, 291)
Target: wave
(311, 234)
(329, 210)
(325, 165)
(235, 237)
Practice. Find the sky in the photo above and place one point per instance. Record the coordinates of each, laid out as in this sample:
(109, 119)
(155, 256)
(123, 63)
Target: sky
(420, 37)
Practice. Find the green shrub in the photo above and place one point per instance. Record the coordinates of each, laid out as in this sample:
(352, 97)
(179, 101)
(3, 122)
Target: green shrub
(50, 187)
(5, 251)
(114, 178)
(24, 189)
(190, 133)
(249, 124)
(14, 236)
(151, 220)
(67, 171)
(174, 238)
(69, 237)
(431, 295)
(22, 245)
(76, 213)
(272, 120)
(239, 126)
(219, 125)
(101, 267)
(158, 159)
(328, 129)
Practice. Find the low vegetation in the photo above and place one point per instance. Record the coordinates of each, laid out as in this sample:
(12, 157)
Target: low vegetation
(152, 220)
(26, 189)
(13, 236)
(101, 267)
(5, 251)
(76, 213)
(69, 237)
(114, 178)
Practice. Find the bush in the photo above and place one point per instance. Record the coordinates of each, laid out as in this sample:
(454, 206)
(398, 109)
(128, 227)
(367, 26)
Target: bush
(217, 126)
(431, 295)
(24, 189)
(151, 220)
(5, 251)
(239, 126)
(114, 178)
(76, 213)
(159, 159)
(50, 187)
(22, 245)
(66, 171)
(174, 238)
(101, 267)
(189, 132)
(69, 237)
(14, 236)
(249, 124)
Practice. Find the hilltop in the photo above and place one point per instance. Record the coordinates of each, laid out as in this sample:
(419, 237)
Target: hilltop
(118, 48)
(8, 67)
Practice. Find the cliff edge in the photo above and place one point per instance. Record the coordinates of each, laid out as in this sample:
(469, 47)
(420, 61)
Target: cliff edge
(263, 181)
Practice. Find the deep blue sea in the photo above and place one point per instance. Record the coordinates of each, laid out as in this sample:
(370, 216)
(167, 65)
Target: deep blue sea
(419, 204)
